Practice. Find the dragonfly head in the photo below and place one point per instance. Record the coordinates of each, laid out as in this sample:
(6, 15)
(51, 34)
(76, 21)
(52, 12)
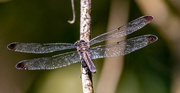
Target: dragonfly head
(78, 43)
(81, 43)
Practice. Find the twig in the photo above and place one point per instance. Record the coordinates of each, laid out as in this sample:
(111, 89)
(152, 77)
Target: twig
(85, 22)
(73, 11)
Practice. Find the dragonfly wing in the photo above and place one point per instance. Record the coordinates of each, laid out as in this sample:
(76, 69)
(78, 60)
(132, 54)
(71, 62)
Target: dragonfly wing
(122, 47)
(53, 62)
(123, 30)
(38, 47)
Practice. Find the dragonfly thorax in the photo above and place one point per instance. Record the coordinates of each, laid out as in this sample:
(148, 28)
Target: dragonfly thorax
(81, 46)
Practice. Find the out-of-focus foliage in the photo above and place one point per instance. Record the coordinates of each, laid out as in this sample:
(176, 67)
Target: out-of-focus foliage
(1, 1)
(149, 70)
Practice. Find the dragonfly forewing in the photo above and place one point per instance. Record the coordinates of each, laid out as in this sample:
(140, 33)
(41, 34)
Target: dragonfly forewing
(38, 47)
(53, 62)
(123, 30)
(122, 47)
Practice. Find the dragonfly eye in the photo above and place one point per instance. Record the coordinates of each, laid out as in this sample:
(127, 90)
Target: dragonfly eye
(82, 41)
(77, 43)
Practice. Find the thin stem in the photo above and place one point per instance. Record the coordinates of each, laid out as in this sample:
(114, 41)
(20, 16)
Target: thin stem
(73, 11)
(85, 22)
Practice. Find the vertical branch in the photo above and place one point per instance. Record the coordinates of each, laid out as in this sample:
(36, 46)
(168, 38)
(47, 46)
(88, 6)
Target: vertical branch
(85, 22)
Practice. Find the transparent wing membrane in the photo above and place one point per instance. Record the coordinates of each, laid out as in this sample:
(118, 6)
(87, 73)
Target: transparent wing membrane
(38, 47)
(53, 62)
(123, 30)
(122, 47)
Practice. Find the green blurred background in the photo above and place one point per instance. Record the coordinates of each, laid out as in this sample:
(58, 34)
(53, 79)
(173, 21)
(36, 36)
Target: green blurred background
(153, 69)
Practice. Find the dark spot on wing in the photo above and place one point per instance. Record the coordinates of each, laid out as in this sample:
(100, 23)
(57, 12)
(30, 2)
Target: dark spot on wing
(151, 38)
(148, 18)
(119, 28)
(12, 46)
(21, 65)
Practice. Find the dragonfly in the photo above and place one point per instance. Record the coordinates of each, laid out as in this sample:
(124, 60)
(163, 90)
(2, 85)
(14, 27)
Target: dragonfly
(83, 51)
